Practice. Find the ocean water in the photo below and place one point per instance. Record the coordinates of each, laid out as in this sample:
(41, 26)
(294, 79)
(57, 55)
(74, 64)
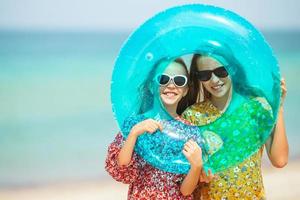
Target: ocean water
(56, 120)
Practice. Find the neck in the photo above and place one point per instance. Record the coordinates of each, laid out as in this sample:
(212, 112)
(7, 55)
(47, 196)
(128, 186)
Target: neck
(172, 110)
(222, 102)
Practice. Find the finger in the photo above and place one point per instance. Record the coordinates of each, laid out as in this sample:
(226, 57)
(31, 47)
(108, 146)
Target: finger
(205, 179)
(191, 143)
(210, 175)
(148, 121)
(283, 84)
(187, 144)
(187, 148)
(283, 88)
(186, 154)
(159, 125)
(196, 146)
(153, 126)
(201, 178)
(151, 122)
(203, 174)
(150, 129)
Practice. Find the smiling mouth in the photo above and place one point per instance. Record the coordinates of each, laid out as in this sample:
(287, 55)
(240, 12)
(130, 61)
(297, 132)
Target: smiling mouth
(217, 87)
(170, 94)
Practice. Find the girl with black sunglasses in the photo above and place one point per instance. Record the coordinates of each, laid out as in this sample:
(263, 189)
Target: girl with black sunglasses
(209, 96)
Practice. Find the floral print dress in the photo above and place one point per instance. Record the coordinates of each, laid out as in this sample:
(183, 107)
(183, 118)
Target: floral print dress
(241, 182)
(145, 181)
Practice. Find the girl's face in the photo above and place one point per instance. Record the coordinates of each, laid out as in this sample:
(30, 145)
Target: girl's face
(214, 78)
(173, 84)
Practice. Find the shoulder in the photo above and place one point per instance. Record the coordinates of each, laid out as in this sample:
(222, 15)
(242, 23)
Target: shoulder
(183, 120)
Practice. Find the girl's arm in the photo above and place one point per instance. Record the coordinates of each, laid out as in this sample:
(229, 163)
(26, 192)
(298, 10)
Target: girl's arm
(148, 125)
(122, 163)
(277, 145)
(193, 154)
(125, 174)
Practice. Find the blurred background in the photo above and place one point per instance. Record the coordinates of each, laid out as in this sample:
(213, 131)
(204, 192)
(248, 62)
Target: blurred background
(56, 61)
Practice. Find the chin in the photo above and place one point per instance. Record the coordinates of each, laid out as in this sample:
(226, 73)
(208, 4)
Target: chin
(169, 102)
(219, 94)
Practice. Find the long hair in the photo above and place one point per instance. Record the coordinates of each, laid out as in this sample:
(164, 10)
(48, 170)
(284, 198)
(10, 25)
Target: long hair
(147, 93)
(183, 103)
(236, 72)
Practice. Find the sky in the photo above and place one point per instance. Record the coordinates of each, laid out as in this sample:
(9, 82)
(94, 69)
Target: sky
(128, 14)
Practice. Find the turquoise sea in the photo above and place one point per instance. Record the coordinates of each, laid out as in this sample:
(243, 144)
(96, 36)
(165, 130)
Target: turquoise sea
(56, 120)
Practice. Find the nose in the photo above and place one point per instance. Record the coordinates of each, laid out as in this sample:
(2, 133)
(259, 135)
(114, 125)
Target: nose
(171, 84)
(214, 78)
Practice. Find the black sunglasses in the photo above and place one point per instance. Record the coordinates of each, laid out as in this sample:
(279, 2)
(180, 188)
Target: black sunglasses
(178, 80)
(205, 75)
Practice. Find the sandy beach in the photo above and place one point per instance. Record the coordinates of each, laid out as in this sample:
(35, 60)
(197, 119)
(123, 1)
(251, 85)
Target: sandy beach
(279, 183)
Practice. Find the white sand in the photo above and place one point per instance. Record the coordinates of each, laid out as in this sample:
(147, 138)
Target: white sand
(283, 183)
(279, 183)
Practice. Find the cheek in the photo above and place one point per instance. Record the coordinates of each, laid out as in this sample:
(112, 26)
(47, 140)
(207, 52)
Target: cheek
(227, 84)
(161, 90)
(182, 91)
(226, 80)
(206, 85)
(185, 91)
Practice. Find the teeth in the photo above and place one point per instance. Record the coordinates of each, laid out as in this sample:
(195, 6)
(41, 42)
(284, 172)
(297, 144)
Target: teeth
(170, 94)
(217, 87)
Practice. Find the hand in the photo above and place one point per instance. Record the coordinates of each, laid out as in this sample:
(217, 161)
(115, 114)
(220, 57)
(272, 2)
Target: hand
(193, 153)
(204, 178)
(283, 90)
(148, 125)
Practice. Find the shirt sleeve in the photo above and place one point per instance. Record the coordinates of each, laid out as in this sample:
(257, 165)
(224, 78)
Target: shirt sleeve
(125, 174)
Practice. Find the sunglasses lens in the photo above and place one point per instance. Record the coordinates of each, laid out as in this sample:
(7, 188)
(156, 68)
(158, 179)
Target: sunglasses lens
(204, 75)
(163, 79)
(221, 72)
(180, 81)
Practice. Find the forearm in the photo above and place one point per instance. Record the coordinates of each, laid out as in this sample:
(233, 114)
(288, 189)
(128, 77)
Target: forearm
(126, 152)
(279, 149)
(190, 182)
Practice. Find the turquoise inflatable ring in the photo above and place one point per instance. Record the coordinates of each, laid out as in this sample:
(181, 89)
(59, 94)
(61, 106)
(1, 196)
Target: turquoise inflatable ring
(185, 30)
